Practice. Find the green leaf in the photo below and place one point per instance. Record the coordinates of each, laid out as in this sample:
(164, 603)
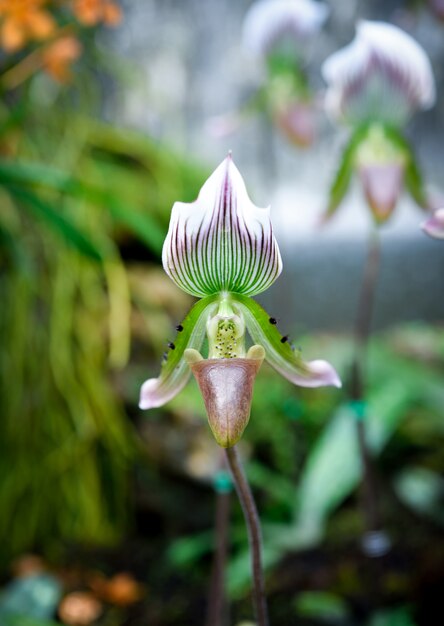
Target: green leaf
(143, 226)
(18, 619)
(413, 177)
(394, 617)
(58, 222)
(321, 605)
(16, 253)
(341, 181)
(187, 551)
(333, 468)
(35, 174)
(422, 490)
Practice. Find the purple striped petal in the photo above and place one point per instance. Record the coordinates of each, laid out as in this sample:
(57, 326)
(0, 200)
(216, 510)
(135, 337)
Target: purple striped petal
(221, 242)
(270, 21)
(384, 74)
(434, 226)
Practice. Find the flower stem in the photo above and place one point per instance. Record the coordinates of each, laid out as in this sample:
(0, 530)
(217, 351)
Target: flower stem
(217, 610)
(254, 533)
(357, 391)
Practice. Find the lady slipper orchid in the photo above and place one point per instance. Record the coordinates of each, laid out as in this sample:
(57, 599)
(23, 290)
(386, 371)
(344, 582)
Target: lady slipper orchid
(221, 248)
(273, 23)
(277, 32)
(375, 84)
(434, 225)
(383, 74)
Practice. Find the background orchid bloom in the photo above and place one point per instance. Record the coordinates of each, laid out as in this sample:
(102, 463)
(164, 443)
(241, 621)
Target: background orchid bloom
(375, 85)
(271, 24)
(277, 32)
(221, 248)
(434, 225)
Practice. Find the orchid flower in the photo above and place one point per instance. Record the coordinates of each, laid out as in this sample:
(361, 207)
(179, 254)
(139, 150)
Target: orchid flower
(277, 32)
(434, 225)
(376, 84)
(221, 249)
(272, 23)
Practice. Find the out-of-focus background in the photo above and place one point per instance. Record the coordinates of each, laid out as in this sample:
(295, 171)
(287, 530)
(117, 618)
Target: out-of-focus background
(110, 112)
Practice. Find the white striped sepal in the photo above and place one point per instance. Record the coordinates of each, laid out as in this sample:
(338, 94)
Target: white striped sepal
(382, 75)
(271, 22)
(221, 242)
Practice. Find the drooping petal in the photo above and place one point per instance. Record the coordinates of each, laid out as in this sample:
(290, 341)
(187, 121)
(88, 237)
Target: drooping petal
(269, 21)
(221, 242)
(279, 353)
(343, 176)
(384, 74)
(175, 372)
(434, 225)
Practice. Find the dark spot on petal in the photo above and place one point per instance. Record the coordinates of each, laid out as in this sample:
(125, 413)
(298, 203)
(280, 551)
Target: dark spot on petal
(171, 345)
(284, 339)
(179, 328)
(273, 321)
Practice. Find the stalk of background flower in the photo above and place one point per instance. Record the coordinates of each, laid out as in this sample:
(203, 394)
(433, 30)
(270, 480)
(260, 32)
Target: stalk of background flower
(357, 382)
(221, 248)
(375, 84)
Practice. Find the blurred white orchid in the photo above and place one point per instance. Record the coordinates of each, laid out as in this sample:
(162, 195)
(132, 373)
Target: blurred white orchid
(375, 84)
(277, 32)
(382, 75)
(269, 23)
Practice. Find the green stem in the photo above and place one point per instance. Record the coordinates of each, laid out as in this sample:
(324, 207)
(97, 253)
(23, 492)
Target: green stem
(254, 534)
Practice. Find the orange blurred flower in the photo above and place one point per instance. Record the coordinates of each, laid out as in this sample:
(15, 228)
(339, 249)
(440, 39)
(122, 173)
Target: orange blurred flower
(59, 55)
(91, 12)
(21, 20)
(122, 589)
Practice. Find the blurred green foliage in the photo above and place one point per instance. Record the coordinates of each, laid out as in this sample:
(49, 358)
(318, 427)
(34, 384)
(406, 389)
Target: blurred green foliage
(306, 462)
(73, 192)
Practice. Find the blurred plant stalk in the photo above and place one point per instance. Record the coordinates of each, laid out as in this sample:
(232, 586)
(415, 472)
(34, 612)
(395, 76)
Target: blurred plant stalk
(357, 382)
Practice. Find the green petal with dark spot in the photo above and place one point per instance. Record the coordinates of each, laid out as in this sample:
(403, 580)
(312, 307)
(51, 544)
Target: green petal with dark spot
(280, 354)
(175, 372)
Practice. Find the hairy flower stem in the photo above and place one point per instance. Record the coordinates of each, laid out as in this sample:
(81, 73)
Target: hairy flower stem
(357, 388)
(254, 534)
